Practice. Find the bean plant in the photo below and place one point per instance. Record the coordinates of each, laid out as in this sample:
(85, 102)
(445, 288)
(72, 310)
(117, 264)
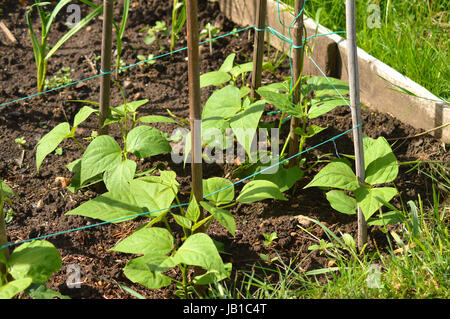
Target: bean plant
(41, 50)
(381, 168)
(178, 21)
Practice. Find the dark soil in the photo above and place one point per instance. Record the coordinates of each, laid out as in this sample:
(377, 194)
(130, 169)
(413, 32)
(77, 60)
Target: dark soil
(44, 201)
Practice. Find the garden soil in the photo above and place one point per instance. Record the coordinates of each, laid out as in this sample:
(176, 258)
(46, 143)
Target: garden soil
(44, 198)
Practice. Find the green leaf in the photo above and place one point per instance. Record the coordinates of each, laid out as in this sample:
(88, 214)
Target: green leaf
(388, 218)
(380, 162)
(199, 250)
(259, 190)
(151, 119)
(222, 104)
(154, 197)
(37, 260)
(324, 105)
(313, 130)
(216, 78)
(131, 106)
(367, 198)
(40, 291)
(110, 207)
(211, 277)
(322, 86)
(118, 178)
(193, 211)
(146, 141)
(337, 175)
(280, 101)
(82, 115)
(14, 287)
(223, 216)
(244, 125)
(7, 191)
(50, 142)
(284, 178)
(240, 69)
(182, 221)
(74, 30)
(152, 241)
(342, 202)
(102, 154)
(220, 190)
(139, 270)
(228, 63)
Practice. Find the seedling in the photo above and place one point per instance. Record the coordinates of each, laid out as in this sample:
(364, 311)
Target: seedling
(62, 77)
(269, 238)
(20, 141)
(155, 33)
(178, 21)
(147, 60)
(42, 53)
(210, 32)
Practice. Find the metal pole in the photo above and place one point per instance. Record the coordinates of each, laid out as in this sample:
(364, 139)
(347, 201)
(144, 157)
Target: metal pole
(105, 84)
(258, 51)
(195, 110)
(353, 75)
(297, 64)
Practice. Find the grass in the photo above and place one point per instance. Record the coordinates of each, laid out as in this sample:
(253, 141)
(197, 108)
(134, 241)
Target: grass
(416, 264)
(413, 36)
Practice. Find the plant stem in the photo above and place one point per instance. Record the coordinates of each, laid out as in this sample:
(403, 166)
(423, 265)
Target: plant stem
(3, 237)
(78, 143)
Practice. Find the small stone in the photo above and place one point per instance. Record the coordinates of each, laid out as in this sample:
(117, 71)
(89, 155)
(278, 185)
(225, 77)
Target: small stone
(303, 221)
(63, 181)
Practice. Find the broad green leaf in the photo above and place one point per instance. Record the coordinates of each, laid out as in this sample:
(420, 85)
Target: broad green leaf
(367, 198)
(240, 69)
(199, 250)
(50, 142)
(37, 260)
(193, 211)
(244, 125)
(7, 191)
(101, 154)
(116, 207)
(131, 106)
(169, 179)
(14, 287)
(222, 104)
(313, 130)
(152, 241)
(211, 277)
(223, 216)
(118, 178)
(380, 162)
(349, 241)
(182, 221)
(284, 178)
(218, 190)
(342, 202)
(337, 175)
(322, 86)
(324, 105)
(142, 270)
(82, 115)
(228, 63)
(388, 218)
(153, 197)
(146, 141)
(245, 90)
(280, 101)
(216, 78)
(259, 190)
(150, 119)
(40, 291)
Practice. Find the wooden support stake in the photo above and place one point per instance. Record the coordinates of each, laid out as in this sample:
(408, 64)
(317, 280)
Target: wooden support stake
(105, 84)
(353, 75)
(297, 64)
(195, 111)
(258, 51)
